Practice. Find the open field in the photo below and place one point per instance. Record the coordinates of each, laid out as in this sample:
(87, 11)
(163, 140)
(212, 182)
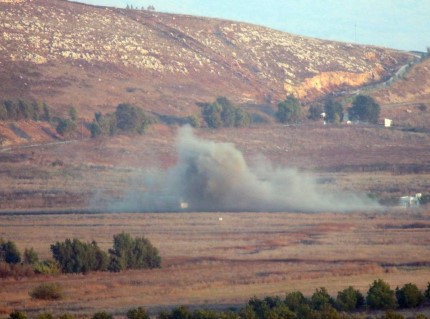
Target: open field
(207, 261)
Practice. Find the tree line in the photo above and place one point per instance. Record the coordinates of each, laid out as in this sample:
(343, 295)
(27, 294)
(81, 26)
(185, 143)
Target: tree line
(363, 108)
(75, 256)
(294, 305)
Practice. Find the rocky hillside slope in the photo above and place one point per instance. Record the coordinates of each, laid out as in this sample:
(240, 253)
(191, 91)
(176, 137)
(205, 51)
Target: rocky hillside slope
(91, 57)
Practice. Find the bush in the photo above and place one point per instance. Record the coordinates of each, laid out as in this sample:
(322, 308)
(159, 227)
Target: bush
(137, 313)
(349, 299)
(102, 315)
(44, 315)
(74, 256)
(47, 292)
(380, 296)
(65, 126)
(131, 119)
(30, 257)
(315, 112)
(9, 252)
(409, 296)
(333, 110)
(17, 315)
(129, 253)
(47, 267)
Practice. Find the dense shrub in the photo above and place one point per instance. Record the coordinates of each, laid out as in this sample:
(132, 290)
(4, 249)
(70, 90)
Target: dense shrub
(315, 112)
(65, 126)
(223, 113)
(131, 119)
(294, 300)
(74, 256)
(409, 296)
(333, 111)
(380, 296)
(17, 315)
(137, 313)
(349, 299)
(44, 315)
(9, 252)
(102, 315)
(133, 253)
(30, 257)
(47, 267)
(47, 292)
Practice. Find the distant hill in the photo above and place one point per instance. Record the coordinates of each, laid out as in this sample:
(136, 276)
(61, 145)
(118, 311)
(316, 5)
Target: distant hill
(93, 58)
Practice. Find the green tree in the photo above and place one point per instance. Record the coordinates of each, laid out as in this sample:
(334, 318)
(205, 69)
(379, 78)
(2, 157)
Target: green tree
(3, 112)
(212, 114)
(46, 113)
(73, 114)
(427, 291)
(365, 109)
(74, 256)
(315, 112)
(9, 253)
(95, 129)
(333, 110)
(137, 313)
(380, 296)
(321, 298)
(30, 257)
(65, 126)
(12, 110)
(181, 312)
(242, 118)
(409, 296)
(349, 299)
(133, 253)
(295, 299)
(193, 120)
(288, 110)
(25, 110)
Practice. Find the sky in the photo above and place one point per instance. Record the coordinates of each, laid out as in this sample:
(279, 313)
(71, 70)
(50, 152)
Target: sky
(398, 24)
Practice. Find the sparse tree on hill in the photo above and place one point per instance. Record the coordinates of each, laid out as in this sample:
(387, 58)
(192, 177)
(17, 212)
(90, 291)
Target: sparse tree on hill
(73, 114)
(30, 256)
(321, 298)
(3, 112)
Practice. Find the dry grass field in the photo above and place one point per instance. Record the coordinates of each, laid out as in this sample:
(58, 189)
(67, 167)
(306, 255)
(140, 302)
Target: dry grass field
(208, 262)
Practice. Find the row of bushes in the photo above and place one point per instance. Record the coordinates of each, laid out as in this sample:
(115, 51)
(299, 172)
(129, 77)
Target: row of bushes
(75, 256)
(294, 306)
(23, 110)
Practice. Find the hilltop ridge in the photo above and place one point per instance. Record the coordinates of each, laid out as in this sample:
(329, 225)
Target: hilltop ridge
(68, 53)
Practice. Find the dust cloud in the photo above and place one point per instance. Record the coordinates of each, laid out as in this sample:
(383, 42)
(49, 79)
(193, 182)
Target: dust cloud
(211, 176)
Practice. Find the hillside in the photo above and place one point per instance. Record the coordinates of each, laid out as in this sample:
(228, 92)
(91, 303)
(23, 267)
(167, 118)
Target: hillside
(91, 57)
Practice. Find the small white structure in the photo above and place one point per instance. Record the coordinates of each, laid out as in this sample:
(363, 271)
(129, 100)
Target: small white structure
(410, 201)
(220, 219)
(388, 122)
(183, 204)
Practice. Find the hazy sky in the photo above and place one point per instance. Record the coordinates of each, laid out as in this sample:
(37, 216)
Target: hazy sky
(400, 24)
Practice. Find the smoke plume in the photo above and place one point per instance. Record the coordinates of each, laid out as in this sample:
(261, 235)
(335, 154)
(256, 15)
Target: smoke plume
(211, 176)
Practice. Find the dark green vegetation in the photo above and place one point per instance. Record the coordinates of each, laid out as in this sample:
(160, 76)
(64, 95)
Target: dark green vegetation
(223, 113)
(289, 111)
(294, 306)
(126, 118)
(364, 109)
(47, 292)
(24, 110)
(74, 256)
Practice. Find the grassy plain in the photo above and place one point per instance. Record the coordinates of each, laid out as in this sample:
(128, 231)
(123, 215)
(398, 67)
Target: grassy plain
(220, 263)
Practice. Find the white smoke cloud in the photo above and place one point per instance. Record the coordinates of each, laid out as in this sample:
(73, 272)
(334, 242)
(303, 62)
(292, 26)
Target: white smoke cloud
(211, 176)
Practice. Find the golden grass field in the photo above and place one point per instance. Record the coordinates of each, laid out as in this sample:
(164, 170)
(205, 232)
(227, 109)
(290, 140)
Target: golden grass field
(210, 262)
